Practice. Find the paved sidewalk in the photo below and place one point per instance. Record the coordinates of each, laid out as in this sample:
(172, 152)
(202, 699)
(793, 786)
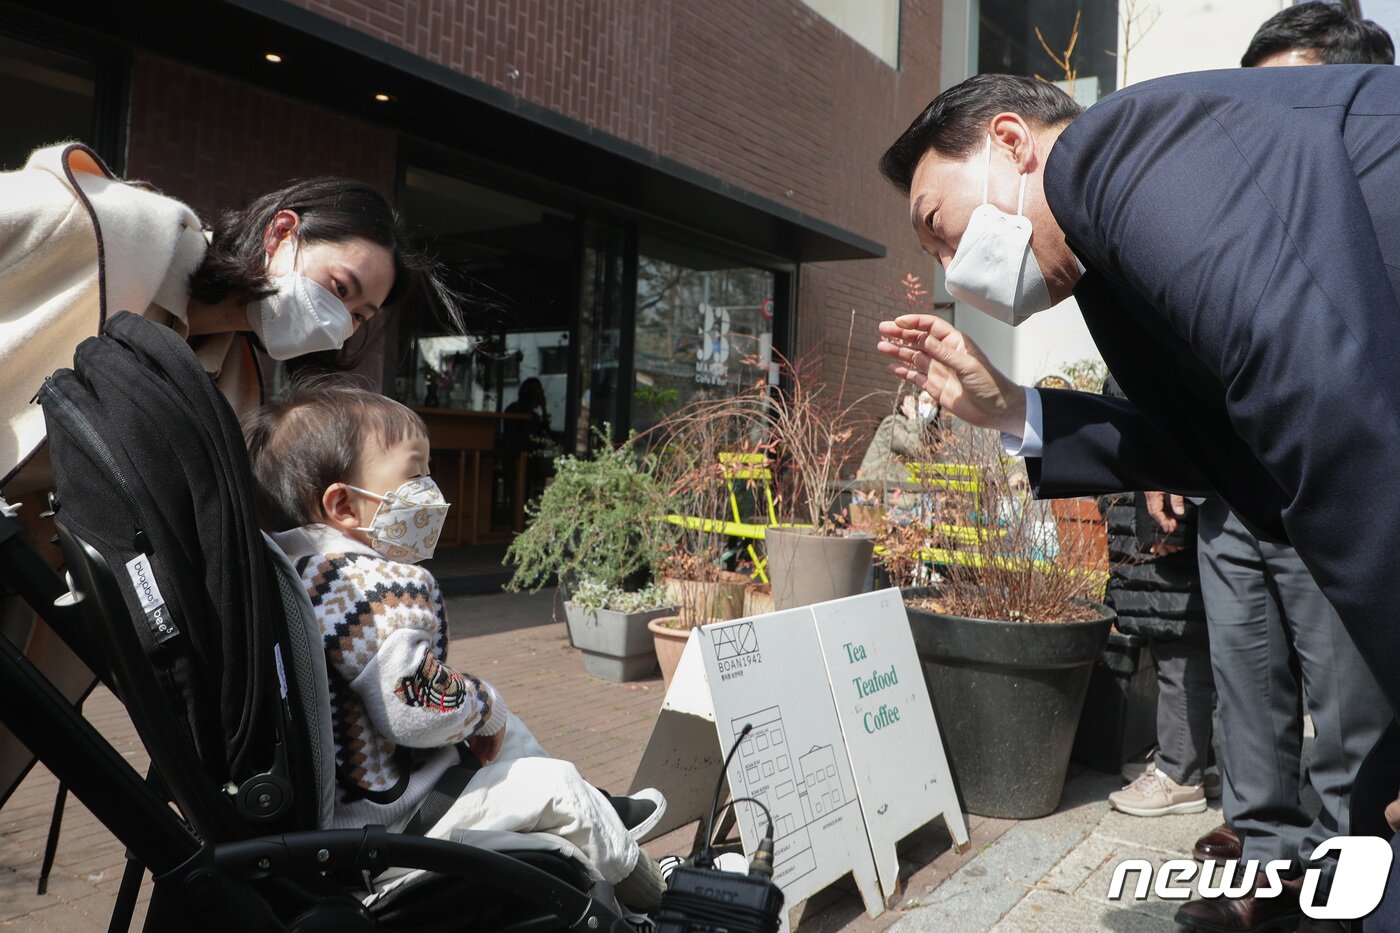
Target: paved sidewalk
(1045, 875)
(1053, 874)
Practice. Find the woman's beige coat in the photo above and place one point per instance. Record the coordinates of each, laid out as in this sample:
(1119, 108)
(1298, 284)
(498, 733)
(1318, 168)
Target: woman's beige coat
(77, 244)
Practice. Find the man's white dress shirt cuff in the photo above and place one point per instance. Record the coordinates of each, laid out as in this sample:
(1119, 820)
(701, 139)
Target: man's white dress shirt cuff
(1029, 443)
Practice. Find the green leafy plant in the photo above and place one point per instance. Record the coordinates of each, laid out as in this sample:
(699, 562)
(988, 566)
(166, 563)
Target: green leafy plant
(1087, 375)
(596, 523)
(594, 595)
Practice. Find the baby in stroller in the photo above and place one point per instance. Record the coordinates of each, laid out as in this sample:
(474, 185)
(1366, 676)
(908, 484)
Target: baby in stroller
(344, 489)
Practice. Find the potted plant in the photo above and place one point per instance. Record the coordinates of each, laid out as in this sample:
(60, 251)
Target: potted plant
(814, 554)
(700, 544)
(595, 526)
(701, 592)
(1006, 625)
(800, 433)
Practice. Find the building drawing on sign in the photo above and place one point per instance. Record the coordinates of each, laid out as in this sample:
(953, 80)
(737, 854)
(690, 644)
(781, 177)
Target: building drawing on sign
(822, 789)
(798, 789)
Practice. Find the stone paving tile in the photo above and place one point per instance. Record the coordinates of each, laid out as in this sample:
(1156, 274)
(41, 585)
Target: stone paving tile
(986, 889)
(1051, 912)
(1176, 833)
(1098, 860)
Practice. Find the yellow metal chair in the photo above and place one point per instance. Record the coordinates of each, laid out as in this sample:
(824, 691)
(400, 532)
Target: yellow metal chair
(753, 472)
(950, 477)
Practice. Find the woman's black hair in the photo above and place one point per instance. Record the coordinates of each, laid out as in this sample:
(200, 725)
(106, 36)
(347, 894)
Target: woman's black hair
(330, 210)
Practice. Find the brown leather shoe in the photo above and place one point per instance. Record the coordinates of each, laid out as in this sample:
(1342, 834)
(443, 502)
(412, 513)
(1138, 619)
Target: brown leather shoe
(1221, 844)
(1248, 914)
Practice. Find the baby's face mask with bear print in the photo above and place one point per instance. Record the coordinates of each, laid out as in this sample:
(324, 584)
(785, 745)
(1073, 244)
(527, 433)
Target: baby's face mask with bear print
(408, 522)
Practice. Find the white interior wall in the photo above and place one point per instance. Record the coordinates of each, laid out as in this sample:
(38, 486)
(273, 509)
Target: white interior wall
(1187, 35)
(1191, 35)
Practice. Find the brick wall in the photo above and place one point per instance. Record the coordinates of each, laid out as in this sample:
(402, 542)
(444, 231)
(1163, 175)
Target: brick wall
(215, 143)
(766, 95)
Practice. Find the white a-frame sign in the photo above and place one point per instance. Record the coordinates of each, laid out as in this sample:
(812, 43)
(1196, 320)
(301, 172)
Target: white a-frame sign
(844, 750)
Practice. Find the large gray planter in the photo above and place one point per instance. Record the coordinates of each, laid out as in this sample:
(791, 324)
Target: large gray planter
(810, 568)
(616, 646)
(1007, 696)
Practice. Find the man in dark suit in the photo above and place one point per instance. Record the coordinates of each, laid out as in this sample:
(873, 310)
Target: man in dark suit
(1233, 241)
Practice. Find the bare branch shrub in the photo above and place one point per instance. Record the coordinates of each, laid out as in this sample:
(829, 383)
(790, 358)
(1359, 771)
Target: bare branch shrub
(968, 512)
(801, 429)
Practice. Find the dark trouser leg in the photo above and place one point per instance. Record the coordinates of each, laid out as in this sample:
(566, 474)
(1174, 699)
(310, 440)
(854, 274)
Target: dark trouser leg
(1261, 741)
(1376, 785)
(1185, 704)
(1348, 710)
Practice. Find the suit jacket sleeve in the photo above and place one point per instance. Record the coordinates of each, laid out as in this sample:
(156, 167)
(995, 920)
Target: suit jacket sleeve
(1249, 222)
(1095, 444)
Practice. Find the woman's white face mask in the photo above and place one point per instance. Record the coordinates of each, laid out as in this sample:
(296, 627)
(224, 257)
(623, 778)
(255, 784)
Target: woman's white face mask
(302, 316)
(994, 269)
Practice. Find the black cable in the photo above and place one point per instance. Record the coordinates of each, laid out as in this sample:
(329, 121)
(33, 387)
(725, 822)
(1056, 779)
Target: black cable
(706, 857)
(757, 803)
(762, 863)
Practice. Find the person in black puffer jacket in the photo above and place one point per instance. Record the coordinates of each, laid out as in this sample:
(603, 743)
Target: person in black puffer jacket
(1155, 587)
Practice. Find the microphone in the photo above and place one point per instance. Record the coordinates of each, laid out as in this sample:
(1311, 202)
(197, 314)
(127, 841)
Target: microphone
(762, 864)
(700, 900)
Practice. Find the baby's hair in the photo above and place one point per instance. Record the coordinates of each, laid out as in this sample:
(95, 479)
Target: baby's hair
(313, 439)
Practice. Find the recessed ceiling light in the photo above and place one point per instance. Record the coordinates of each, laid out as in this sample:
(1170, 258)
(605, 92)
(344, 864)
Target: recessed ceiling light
(383, 98)
(273, 57)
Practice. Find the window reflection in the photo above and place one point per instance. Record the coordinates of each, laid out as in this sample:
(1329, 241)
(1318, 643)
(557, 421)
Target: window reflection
(46, 98)
(704, 326)
(1007, 42)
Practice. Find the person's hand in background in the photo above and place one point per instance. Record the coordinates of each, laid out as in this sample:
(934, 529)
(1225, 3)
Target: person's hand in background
(1167, 510)
(487, 747)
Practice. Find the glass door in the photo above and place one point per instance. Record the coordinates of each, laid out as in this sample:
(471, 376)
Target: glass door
(608, 282)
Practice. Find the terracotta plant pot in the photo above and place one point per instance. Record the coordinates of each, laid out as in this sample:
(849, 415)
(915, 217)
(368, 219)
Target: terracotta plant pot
(1082, 531)
(712, 600)
(758, 599)
(670, 644)
(807, 568)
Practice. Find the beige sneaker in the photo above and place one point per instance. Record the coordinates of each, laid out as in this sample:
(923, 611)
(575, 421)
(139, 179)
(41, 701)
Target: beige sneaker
(1133, 770)
(1155, 794)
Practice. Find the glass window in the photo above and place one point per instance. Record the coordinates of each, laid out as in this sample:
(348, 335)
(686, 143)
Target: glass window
(45, 97)
(1008, 43)
(604, 299)
(704, 326)
(513, 261)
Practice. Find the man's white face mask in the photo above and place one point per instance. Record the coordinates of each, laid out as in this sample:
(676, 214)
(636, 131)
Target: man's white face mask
(994, 269)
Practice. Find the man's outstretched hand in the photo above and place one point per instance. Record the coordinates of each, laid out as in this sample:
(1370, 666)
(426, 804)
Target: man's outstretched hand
(937, 357)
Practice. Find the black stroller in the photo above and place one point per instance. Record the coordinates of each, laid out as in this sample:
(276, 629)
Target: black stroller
(202, 629)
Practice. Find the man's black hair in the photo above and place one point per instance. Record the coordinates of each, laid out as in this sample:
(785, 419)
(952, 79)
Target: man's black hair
(1327, 30)
(956, 122)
